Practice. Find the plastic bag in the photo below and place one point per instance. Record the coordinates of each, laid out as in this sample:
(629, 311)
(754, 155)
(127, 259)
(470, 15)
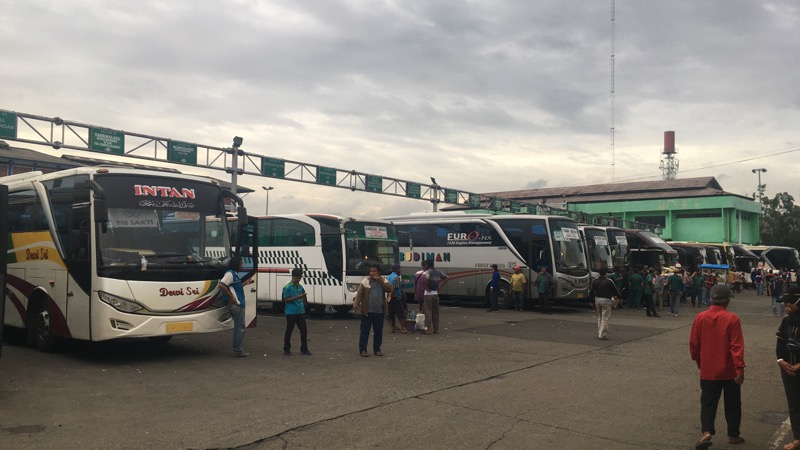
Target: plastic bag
(420, 319)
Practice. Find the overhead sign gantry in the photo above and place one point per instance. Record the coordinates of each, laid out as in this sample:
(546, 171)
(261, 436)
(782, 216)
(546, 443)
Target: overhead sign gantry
(64, 134)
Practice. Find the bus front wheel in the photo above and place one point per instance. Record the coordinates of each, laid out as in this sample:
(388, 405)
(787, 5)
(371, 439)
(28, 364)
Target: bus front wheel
(343, 309)
(504, 299)
(42, 333)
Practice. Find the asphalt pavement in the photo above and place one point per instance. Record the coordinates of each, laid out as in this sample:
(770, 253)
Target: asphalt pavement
(504, 380)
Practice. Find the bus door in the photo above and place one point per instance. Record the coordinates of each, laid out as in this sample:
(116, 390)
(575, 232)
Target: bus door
(247, 247)
(3, 258)
(78, 283)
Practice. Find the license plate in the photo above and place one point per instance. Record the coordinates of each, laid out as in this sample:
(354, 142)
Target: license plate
(580, 294)
(179, 327)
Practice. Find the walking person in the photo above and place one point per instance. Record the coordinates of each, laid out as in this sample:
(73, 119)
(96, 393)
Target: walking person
(294, 297)
(518, 283)
(434, 281)
(675, 282)
(658, 289)
(494, 288)
(697, 288)
(635, 287)
(788, 352)
(397, 302)
(716, 344)
(648, 292)
(758, 281)
(775, 291)
(604, 294)
(233, 287)
(545, 288)
(371, 303)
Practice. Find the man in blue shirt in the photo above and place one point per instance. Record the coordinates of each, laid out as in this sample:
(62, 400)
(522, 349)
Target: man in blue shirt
(397, 303)
(494, 288)
(294, 297)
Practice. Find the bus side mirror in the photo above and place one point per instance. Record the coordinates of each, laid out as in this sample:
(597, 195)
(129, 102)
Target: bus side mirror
(99, 197)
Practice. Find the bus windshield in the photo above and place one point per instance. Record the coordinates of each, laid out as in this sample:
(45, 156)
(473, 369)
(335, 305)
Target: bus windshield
(567, 247)
(154, 230)
(369, 243)
(599, 249)
(783, 258)
(619, 248)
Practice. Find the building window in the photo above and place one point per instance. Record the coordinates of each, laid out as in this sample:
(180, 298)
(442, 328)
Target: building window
(699, 215)
(652, 220)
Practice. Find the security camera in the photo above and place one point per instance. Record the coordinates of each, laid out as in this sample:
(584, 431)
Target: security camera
(237, 141)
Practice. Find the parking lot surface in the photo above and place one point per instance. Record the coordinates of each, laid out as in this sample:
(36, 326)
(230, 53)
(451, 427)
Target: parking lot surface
(489, 380)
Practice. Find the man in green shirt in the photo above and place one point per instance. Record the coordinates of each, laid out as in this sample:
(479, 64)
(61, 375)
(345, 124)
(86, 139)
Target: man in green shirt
(675, 282)
(635, 285)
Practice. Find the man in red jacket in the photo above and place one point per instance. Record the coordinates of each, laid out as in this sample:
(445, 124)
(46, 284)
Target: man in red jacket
(717, 346)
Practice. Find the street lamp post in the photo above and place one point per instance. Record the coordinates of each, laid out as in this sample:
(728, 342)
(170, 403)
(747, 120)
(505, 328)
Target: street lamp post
(760, 186)
(266, 212)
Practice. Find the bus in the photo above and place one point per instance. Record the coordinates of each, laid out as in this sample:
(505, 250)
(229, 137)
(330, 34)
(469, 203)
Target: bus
(100, 253)
(335, 253)
(620, 250)
(647, 249)
(745, 260)
(597, 248)
(775, 258)
(690, 255)
(464, 245)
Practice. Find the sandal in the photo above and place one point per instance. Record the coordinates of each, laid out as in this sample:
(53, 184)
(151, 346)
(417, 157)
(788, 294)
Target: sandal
(794, 445)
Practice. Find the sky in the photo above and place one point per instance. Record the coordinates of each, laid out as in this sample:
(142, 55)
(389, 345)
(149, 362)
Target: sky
(484, 96)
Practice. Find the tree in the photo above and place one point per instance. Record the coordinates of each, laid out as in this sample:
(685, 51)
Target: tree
(780, 221)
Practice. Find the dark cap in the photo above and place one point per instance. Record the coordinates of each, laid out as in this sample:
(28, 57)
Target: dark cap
(720, 292)
(395, 267)
(493, 266)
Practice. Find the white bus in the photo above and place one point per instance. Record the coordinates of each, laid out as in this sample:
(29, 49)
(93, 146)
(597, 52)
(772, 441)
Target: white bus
(464, 246)
(99, 253)
(335, 253)
(597, 248)
(775, 258)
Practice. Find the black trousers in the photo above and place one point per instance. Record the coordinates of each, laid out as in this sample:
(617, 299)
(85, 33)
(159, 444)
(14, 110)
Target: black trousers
(711, 390)
(544, 302)
(648, 304)
(791, 385)
(291, 320)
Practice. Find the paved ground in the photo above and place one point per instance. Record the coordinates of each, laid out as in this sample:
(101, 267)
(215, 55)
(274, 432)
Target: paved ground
(490, 380)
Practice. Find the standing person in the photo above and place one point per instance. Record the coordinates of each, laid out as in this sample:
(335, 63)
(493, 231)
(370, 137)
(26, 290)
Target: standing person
(697, 288)
(647, 294)
(545, 288)
(419, 287)
(233, 287)
(635, 285)
(494, 288)
(675, 282)
(758, 281)
(397, 304)
(708, 282)
(716, 344)
(371, 303)
(604, 293)
(775, 290)
(737, 281)
(294, 296)
(434, 281)
(518, 283)
(788, 352)
(658, 290)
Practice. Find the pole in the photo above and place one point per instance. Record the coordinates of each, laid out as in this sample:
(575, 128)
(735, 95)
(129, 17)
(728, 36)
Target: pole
(234, 170)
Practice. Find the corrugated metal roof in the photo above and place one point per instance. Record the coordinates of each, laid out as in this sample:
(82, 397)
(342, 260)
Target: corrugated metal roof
(8, 153)
(640, 190)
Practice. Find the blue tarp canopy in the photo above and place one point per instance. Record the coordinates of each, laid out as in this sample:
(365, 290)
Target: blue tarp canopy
(715, 266)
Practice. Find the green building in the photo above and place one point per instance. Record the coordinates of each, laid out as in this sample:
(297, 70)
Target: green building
(689, 209)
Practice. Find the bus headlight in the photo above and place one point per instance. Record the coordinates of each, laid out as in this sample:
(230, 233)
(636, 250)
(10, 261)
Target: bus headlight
(352, 287)
(119, 303)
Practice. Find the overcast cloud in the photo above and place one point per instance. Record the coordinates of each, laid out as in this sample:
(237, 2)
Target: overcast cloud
(483, 95)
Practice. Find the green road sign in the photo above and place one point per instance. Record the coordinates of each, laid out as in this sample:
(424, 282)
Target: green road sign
(109, 141)
(272, 167)
(474, 201)
(326, 175)
(8, 125)
(182, 152)
(450, 196)
(413, 190)
(374, 183)
(515, 207)
(497, 204)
